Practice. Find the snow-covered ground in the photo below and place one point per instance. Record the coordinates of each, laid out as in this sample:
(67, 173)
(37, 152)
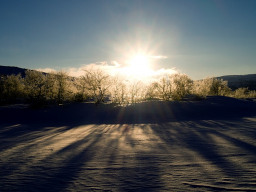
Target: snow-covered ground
(205, 145)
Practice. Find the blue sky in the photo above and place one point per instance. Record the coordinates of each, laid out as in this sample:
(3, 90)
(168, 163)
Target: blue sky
(198, 37)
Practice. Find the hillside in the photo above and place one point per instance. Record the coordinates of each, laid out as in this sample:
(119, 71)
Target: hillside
(10, 70)
(236, 81)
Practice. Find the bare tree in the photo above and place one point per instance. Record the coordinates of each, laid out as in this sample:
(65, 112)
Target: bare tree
(135, 91)
(11, 87)
(151, 91)
(50, 88)
(97, 83)
(164, 88)
(119, 91)
(61, 86)
(82, 92)
(35, 84)
(174, 87)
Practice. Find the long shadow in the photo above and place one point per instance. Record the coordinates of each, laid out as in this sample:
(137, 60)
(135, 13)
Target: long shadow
(55, 172)
(195, 136)
(70, 167)
(239, 143)
(208, 150)
(11, 135)
(144, 176)
(138, 171)
(62, 167)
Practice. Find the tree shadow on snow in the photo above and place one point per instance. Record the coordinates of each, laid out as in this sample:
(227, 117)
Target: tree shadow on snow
(87, 147)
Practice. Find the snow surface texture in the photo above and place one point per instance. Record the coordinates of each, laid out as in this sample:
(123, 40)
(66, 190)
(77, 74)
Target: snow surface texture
(198, 147)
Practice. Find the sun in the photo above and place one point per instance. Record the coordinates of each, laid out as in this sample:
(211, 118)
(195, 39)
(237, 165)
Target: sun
(139, 62)
(139, 66)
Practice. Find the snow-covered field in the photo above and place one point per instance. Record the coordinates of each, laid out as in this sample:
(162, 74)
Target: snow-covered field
(205, 145)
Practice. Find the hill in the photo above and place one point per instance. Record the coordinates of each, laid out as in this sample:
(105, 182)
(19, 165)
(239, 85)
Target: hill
(10, 70)
(236, 81)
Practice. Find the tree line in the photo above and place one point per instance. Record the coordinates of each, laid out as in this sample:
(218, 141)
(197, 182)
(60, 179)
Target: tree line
(97, 86)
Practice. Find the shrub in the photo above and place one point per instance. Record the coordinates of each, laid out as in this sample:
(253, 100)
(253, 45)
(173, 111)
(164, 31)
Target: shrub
(219, 87)
(252, 94)
(241, 92)
(210, 86)
(182, 86)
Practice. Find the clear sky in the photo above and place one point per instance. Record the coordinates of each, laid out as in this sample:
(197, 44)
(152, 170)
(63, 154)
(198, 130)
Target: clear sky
(198, 37)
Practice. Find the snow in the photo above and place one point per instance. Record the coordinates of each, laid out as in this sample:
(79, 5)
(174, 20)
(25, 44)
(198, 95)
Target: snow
(207, 145)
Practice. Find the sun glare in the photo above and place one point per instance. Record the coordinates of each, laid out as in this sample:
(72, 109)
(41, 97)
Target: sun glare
(139, 66)
(140, 61)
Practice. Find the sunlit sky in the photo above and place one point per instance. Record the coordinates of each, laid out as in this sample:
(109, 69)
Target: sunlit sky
(198, 37)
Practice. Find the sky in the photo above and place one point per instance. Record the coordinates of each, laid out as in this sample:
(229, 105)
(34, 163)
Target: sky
(200, 38)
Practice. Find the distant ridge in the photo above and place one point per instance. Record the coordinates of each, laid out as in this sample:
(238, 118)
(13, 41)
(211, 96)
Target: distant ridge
(236, 81)
(10, 70)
